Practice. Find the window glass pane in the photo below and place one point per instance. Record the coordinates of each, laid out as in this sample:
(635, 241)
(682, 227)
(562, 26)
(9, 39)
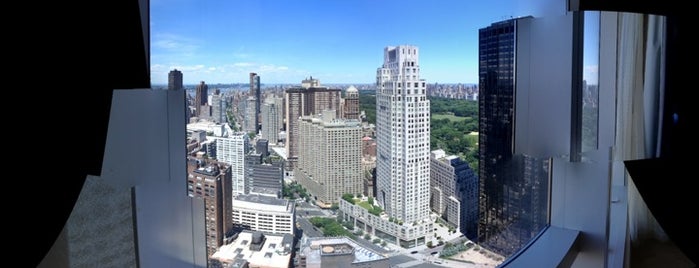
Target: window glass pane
(590, 76)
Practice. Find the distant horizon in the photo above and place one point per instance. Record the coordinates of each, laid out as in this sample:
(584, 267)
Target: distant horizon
(299, 83)
(337, 42)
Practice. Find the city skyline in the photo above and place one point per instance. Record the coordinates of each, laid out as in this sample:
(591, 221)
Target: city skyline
(222, 42)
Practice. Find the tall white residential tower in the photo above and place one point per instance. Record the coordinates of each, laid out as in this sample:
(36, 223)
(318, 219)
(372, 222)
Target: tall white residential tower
(403, 136)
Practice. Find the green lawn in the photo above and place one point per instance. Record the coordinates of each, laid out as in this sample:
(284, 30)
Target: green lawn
(365, 205)
(451, 117)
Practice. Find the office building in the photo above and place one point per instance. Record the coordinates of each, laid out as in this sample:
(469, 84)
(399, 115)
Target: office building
(330, 154)
(210, 181)
(508, 216)
(174, 80)
(264, 213)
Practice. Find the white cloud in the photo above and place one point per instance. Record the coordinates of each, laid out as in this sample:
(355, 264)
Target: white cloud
(174, 43)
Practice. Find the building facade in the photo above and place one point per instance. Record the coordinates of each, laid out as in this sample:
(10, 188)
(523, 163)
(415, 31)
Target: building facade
(210, 181)
(350, 107)
(272, 119)
(250, 122)
(454, 189)
(174, 80)
(402, 136)
(330, 154)
(264, 213)
(512, 186)
(232, 150)
(218, 107)
(201, 96)
(256, 91)
(309, 99)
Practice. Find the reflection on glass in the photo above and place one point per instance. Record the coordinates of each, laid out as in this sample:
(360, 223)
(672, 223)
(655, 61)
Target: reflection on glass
(590, 94)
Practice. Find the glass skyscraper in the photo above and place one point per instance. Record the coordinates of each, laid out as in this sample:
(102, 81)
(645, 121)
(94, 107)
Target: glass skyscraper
(513, 187)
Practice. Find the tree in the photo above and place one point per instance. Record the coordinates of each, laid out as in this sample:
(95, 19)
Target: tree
(429, 244)
(349, 198)
(370, 200)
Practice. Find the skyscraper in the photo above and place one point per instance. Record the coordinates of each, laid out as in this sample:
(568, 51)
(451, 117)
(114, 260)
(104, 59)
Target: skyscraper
(513, 187)
(174, 80)
(272, 119)
(210, 181)
(250, 123)
(309, 99)
(403, 136)
(232, 150)
(218, 107)
(350, 110)
(256, 92)
(330, 154)
(202, 93)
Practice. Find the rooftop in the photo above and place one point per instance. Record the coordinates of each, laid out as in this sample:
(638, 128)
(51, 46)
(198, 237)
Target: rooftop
(316, 247)
(263, 203)
(274, 252)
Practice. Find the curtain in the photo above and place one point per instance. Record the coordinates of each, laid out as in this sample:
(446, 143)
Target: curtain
(639, 100)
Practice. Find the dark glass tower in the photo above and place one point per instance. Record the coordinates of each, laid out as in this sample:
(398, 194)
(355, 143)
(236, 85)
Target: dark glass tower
(513, 188)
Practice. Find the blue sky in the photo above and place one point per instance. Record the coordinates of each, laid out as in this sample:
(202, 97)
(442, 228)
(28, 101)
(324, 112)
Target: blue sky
(342, 41)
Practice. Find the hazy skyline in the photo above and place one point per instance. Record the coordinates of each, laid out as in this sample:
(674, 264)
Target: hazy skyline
(223, 41)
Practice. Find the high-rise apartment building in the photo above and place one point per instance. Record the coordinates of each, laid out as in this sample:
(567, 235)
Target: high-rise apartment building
(232, 150)
(250, 123)
(210, 181)
(350, 108)
(512, 187)
(202, 93)
(174, 80)
(330, 154)
(454, 192)
(403, 136)
(256, 92)
(272, 119)
(309, 99)
(218, 107)
(403, 154)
